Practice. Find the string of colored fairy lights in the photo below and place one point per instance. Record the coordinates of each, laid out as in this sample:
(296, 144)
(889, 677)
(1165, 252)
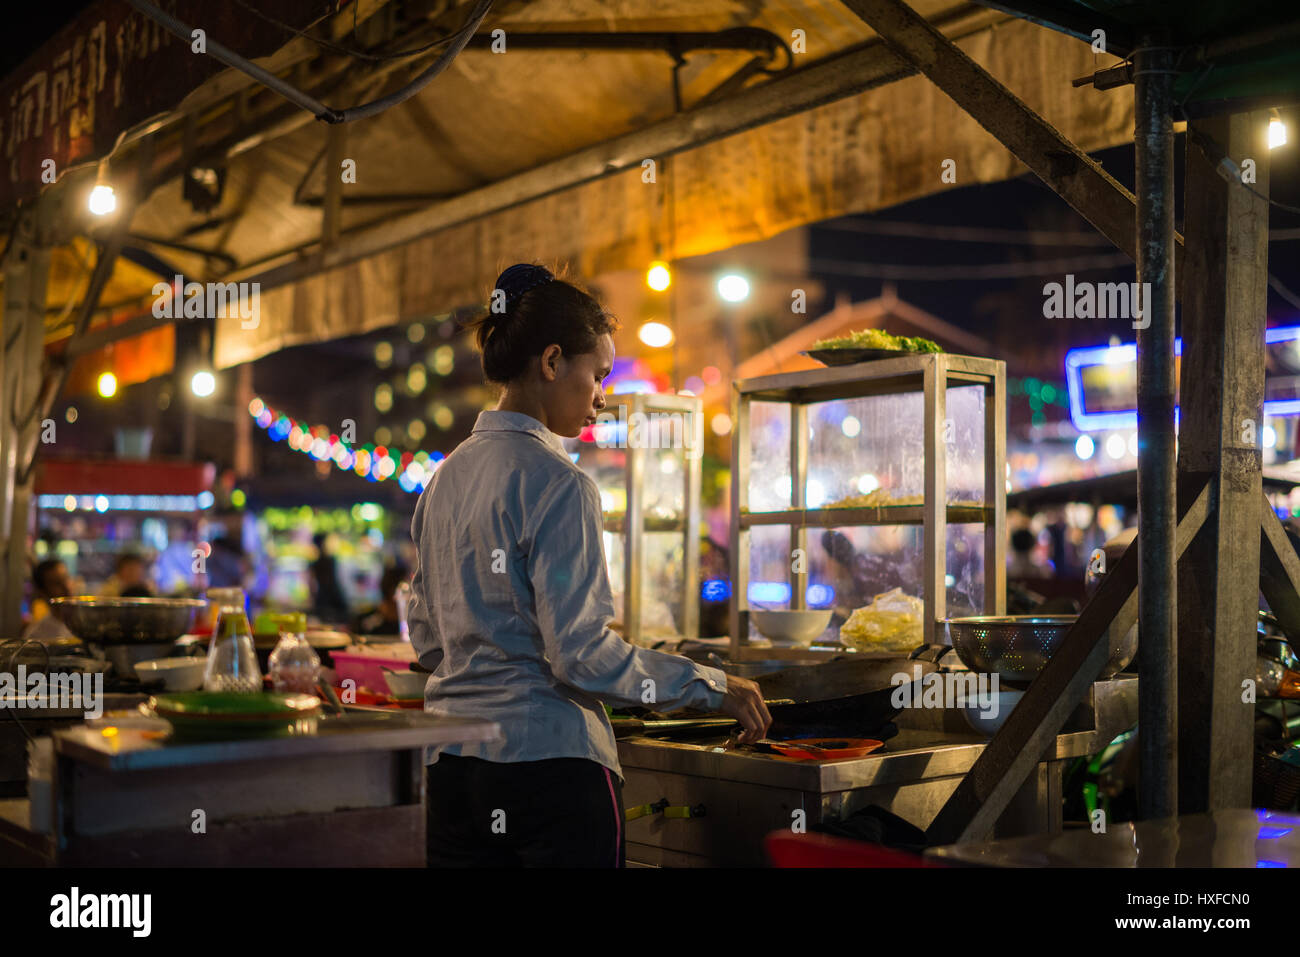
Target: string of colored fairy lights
(375, 463)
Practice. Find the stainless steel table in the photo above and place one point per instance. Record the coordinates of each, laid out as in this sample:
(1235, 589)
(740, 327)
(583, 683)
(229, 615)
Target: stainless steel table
(1234, 838)
(350, 795)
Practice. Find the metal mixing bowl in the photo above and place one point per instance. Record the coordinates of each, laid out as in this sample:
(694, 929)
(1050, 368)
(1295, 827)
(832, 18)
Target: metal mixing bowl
(127, 621)
(1016, 647)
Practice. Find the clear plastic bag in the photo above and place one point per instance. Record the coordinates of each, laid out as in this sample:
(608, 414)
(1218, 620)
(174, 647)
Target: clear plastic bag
(892, 622)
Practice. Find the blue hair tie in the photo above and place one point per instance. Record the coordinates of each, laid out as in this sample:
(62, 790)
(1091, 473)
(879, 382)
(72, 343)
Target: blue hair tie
(520, 278)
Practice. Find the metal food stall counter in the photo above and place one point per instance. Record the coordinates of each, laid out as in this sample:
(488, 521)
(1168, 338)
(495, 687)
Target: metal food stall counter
(727, 800)
(352, 794)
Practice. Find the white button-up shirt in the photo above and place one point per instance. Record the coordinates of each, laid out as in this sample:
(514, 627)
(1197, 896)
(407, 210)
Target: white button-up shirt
(511, 604)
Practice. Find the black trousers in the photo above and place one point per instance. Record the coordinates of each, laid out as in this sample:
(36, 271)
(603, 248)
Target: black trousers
(562, 812)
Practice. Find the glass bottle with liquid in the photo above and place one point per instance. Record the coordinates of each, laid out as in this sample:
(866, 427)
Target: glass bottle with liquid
(294, 664)
(232, 660)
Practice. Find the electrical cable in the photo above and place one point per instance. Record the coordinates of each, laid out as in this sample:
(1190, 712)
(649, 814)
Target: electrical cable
(973, 234)
(1229, 170)
(1276, 285)
(459, 40)
(963, 272)
(291, 93)
(338, 48)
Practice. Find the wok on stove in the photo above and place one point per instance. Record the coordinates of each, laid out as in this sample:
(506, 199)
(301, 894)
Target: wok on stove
(846, 697)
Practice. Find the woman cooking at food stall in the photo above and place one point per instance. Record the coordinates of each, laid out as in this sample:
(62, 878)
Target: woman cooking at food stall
(511, 604)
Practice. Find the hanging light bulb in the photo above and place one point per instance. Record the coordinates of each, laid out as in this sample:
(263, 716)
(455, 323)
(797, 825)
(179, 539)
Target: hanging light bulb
(655, 334)
(733, 287)
(107, 385)
(658, 277)
(1276, 131)
(102, 199)
(203, 383)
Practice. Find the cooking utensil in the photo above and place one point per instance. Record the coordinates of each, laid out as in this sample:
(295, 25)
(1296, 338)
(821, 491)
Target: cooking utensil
(333, 699)
(851, 696)
(124, 621)
(626, 726)
(783, 746)
(1016, 647)
(221, 715)
(826, 749)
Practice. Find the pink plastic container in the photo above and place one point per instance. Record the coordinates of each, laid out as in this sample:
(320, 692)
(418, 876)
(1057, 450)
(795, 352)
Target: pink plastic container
(366, 668)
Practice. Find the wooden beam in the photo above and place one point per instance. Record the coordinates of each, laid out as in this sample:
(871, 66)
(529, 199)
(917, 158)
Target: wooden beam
(847, 74)
(1071, 173)
(336, 143)
(1222, 392)
(1153, 139)
(27, 267)
(1027, 736)
(1279, 571)
(106, 334)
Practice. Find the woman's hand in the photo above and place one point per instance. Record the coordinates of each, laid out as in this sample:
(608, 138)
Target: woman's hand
(744, 702)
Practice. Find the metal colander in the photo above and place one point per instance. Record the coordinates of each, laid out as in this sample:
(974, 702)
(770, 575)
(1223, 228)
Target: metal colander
(1016, 647)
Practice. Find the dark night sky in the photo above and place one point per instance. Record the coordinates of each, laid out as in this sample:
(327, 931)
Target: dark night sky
(1008, 311)
(30, 24)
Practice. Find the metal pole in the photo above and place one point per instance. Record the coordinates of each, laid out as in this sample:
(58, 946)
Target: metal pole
(232, 59)
(1157, 615)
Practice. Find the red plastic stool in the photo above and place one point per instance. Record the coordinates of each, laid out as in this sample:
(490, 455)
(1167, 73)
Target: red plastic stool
(785, 849)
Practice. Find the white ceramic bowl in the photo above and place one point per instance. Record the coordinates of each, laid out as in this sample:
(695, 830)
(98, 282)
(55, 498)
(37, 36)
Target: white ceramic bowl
(178, 674)
(405, 684)
(800, 627)
(983, 723)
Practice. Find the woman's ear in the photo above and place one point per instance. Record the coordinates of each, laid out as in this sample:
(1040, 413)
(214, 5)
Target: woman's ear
(550, 364)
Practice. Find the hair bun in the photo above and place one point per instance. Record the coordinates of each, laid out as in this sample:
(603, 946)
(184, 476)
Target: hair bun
(520, 278)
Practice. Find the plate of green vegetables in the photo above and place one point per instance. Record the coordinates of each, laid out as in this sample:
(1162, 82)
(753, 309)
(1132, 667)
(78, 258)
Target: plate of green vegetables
(866, 345)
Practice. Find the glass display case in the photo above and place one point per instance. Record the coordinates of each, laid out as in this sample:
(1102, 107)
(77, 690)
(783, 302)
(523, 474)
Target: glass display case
(645, 455)
(854, 480)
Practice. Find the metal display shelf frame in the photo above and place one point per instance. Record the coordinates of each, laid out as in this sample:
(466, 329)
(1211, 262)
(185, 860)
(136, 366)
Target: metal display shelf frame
(633, 525)
(932, 374)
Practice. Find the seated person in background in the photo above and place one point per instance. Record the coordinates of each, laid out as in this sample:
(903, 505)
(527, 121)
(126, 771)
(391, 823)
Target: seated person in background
(49, 580)
(1023, 563)
(328, 602)
(382, 620)
(129, 573)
